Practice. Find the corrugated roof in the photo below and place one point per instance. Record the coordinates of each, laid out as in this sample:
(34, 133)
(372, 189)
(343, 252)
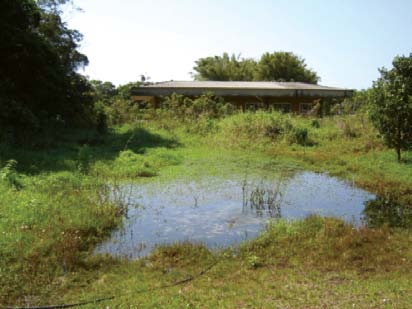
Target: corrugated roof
(241, 85)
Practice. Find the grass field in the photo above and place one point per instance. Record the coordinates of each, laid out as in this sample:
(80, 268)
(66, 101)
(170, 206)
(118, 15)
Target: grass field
(56, 206)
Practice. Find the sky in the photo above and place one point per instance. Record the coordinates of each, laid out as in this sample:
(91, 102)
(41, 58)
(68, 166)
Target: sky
(345, 41)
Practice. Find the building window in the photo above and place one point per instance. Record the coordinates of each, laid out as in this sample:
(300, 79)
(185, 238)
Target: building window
(281, 107)
(253, 106)
(305, 108)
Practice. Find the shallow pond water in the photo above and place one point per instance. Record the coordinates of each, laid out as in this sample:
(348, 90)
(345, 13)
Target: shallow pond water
(222, 212)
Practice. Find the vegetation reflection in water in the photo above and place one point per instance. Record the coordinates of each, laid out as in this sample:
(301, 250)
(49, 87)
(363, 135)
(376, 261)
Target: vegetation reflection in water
(222, 212)
(386, 211)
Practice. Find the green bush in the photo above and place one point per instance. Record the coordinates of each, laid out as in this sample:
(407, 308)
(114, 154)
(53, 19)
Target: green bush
(300, 136)
(9, 175)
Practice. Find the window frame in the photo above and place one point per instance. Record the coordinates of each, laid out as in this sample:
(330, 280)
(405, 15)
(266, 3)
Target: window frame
(280, 108)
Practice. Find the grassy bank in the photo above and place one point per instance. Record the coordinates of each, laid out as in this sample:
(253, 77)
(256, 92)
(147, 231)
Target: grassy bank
(56, 205)
(315, 262)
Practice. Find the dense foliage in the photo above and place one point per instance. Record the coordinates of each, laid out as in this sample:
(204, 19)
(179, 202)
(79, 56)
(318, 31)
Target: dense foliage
(103, 91)
(392, 104)
(115, 105)
(39, 84)
(207, 106)
(284, 66)
(358, 103)
(276, 66)
(225, 68)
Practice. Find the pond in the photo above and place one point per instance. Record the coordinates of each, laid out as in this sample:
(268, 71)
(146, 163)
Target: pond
(222, 212)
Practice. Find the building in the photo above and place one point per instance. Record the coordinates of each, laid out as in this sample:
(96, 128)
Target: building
(285, 96)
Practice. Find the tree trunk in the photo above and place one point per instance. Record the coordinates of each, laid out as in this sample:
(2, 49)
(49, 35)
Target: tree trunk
(399, 140)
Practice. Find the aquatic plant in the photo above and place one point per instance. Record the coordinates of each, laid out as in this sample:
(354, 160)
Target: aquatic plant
(263, 198)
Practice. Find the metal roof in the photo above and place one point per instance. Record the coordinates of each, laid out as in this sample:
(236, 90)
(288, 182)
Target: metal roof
(236, 85)
(241, 88)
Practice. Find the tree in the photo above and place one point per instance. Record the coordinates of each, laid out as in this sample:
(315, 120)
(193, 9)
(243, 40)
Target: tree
(103, 91)
(391, 101)
(39, 83)
(284, 66)
(277, 66)
(224, 68)
(53, 5)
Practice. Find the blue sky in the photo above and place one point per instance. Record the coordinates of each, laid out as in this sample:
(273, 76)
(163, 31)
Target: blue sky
(345, 42)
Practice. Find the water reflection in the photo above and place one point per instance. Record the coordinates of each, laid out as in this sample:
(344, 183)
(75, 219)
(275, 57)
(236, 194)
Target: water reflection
(380, 211)
(221, 212)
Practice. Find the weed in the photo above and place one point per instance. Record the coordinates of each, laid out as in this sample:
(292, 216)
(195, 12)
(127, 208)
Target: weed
(253, 261)
(349, 130)
(315, 123)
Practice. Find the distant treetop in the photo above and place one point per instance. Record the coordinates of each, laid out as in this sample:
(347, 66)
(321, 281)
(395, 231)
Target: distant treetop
(276, 66)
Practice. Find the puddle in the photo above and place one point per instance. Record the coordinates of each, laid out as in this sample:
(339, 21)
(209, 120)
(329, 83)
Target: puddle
(220, 212)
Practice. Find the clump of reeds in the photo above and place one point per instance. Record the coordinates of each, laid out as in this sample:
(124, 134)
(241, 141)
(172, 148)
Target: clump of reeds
(263, 199)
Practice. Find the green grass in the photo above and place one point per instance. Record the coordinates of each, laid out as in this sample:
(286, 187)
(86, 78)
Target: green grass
(315, 262)
(55, 207)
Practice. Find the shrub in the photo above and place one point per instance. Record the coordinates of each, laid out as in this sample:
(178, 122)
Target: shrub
(124, 111)
(9, 175)
(300, 135)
